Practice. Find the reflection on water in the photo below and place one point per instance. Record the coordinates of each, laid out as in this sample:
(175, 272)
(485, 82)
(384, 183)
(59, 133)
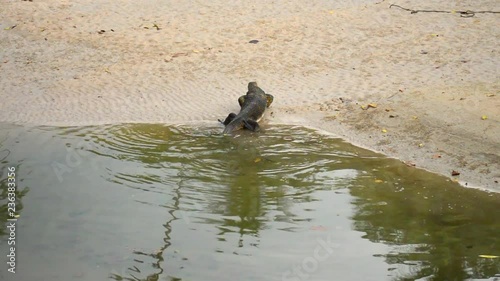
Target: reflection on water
(151, 202)
(435, 229)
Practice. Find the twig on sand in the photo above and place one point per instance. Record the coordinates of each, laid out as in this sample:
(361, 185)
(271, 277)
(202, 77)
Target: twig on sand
(463, 14)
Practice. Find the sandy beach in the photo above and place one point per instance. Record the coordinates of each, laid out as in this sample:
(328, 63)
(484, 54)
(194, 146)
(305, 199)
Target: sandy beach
(421, 87)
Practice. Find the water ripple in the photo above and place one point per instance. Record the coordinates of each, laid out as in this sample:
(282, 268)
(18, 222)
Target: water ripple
(193, 155)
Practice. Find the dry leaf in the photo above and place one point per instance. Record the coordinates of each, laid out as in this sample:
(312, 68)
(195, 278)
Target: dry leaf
(10, 27)
(257, 160)
(179, 54)
(409, 164)
(372, 105)
(489, 256)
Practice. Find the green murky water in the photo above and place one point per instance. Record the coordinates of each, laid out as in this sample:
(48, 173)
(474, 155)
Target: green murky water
(151, 202)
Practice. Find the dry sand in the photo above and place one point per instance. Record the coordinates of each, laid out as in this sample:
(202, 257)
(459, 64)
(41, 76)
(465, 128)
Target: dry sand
(94, 62)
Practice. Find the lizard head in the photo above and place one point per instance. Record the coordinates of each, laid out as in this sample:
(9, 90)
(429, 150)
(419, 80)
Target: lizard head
(252, 86)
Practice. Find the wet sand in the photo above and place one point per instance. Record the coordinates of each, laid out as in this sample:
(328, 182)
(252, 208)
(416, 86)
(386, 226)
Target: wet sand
(432, 76)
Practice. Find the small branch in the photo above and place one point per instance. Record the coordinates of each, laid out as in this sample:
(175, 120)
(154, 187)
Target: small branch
(463, 14)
